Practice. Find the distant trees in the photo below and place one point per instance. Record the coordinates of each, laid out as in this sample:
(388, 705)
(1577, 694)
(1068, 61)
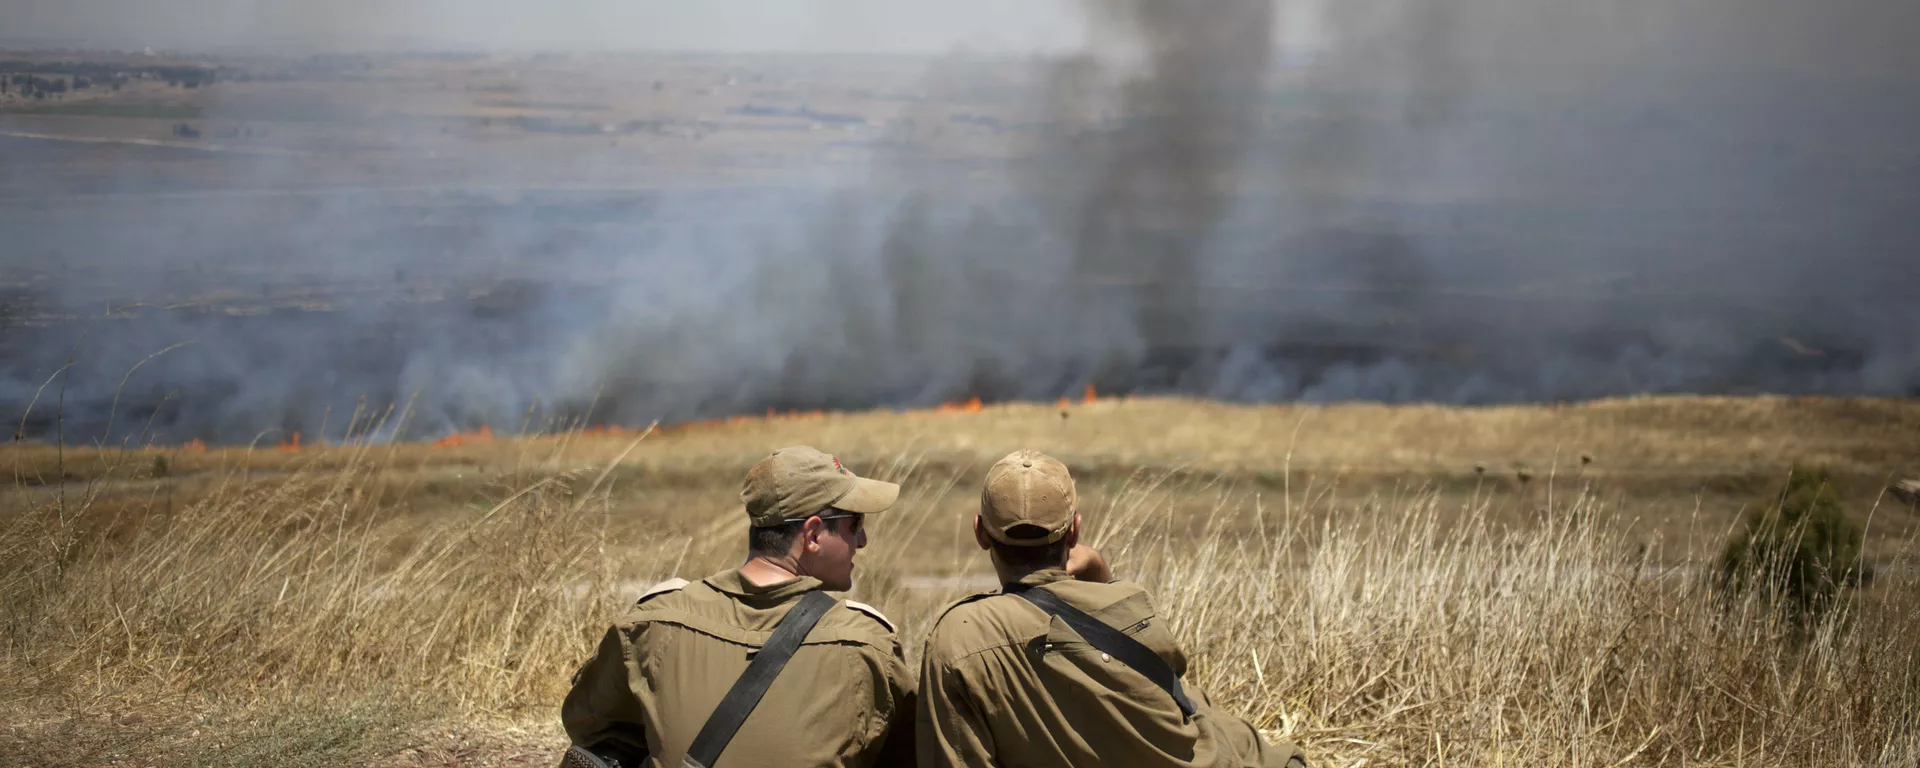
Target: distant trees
(184, 77)
(32, 87)
(37, 79)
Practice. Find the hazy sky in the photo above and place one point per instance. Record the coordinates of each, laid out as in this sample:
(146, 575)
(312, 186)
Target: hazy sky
(923, 26)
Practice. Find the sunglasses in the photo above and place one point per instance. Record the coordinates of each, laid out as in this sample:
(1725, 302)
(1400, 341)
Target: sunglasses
(859, 520)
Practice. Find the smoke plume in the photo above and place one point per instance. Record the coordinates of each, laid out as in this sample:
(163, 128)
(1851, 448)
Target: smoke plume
(1472, 201)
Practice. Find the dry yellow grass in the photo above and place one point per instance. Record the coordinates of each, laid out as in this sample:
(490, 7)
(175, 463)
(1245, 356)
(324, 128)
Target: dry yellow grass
(1340, 574)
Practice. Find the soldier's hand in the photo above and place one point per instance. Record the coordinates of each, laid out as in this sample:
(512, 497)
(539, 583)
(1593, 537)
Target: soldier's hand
(1085, 564)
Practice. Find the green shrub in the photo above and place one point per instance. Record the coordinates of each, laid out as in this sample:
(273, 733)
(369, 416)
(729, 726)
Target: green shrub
(1800, 549)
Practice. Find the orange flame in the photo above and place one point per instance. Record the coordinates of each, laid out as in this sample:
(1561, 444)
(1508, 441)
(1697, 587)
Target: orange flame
(291, 444)
(1089, 396)
(972, 405)
(483, 435)
(194, 446)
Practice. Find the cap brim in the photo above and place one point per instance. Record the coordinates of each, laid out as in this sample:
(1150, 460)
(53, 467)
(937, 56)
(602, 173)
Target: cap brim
(1051, 537)
(868, 497)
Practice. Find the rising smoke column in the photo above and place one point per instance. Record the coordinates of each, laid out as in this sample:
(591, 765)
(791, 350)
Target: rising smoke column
(1162, 180)
(1472, 201)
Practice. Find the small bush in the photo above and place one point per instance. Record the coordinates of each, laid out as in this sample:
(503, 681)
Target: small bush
(1800, 549)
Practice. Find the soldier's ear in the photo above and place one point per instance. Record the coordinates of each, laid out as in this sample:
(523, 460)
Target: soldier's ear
(980, 533)
(810, 533)
(1073, 531)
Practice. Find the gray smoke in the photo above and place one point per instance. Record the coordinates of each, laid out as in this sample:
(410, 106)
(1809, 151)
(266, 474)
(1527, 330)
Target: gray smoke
(1471, 201)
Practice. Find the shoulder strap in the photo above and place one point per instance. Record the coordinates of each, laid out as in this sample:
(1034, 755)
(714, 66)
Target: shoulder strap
(1115, 643)
(875, 613)
(753, 683)
(670, 585)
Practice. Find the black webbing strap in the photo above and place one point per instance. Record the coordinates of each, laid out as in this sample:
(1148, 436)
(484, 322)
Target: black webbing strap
(1115, 643)
(746, 692)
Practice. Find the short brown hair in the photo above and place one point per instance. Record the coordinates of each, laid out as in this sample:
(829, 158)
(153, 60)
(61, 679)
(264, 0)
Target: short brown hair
(1050, 555)
(778, 540)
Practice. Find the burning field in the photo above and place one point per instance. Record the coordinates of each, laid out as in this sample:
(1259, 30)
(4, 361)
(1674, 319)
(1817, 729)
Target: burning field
(1386, 585)
(1391, 205)
(1479, 382)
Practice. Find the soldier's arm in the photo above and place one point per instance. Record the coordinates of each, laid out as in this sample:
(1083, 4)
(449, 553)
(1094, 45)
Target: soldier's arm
(898, 747)
(601, 712)
(949, 728)
(1087, 564)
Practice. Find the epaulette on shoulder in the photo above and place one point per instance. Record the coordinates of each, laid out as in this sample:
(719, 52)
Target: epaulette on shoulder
(875, 613)
(960, 602)
(670, 585)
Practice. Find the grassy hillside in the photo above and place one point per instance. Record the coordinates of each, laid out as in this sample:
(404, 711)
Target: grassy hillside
(1386, 585)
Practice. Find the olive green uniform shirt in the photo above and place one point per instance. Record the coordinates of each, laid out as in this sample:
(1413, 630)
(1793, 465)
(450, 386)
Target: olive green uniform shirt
(1004, 684)
(845, 698)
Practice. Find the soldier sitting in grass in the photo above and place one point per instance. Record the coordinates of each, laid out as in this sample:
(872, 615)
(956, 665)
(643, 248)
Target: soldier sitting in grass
(1063, 667)
(756, 666)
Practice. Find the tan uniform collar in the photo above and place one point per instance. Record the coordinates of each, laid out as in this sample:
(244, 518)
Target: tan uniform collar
(734, 583)
(1037, 578)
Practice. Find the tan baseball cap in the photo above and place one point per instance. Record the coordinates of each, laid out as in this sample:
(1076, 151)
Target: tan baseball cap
(795, 483)
(1028, 488)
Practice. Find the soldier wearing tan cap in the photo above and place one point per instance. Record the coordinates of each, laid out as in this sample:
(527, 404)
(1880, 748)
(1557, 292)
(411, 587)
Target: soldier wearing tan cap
(1055, 670)
(669, 670)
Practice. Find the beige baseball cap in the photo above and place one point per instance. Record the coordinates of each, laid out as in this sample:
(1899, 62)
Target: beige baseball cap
(795, 483)
(1028, 488)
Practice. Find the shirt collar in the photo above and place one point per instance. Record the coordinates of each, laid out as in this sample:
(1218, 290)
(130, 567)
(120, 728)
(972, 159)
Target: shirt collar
(1037, 578)
(735, 583)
